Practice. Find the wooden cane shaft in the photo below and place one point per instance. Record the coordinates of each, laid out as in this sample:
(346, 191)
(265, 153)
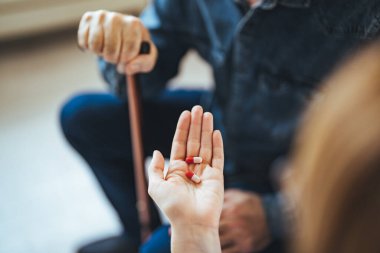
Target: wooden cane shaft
(138, 157)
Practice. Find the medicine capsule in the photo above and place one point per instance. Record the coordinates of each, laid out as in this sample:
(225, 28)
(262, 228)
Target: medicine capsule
(193, 160)
(193, 177)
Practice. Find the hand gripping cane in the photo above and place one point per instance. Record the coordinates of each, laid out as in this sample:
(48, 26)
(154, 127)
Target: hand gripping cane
(142, 203)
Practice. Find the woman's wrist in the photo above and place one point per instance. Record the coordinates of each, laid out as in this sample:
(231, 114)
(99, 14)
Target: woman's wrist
(195, 238)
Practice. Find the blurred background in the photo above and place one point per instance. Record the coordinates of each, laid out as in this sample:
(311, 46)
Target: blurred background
(49, 200)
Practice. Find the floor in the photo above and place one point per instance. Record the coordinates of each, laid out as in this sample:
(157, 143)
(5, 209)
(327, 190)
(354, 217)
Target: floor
(50, 202)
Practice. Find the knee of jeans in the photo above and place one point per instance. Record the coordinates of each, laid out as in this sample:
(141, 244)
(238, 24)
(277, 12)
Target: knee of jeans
(159, 242)
(75, 117)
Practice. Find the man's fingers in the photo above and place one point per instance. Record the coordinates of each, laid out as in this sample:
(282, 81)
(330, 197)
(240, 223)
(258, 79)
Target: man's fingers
(231, 193)
(206, 138)
(83, 31)
(129, 49)
(143, 63)
(178, 151)
(112, 37)
(95, 39)
(117, 38)
(226, 241)
(225, 235)
(224, 226)
(194, 139)
(131, 39)
(226, 209)
(218, 153)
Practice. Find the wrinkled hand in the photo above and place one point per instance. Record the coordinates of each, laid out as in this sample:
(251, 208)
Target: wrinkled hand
(183, 201)
(117, 38)
(243, 226)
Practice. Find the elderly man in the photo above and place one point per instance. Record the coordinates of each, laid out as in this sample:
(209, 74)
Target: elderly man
(267, 58)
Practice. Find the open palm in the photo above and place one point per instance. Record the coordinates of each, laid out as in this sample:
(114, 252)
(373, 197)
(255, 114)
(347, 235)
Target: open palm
(179, 198)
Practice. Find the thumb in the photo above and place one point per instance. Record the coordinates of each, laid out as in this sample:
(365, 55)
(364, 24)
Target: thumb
(143, 63)
(156, 167)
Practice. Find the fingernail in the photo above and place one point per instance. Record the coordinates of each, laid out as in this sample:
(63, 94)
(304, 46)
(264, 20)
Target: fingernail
(197, 107)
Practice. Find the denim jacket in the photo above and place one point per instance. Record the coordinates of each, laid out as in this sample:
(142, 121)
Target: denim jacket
(267, 64)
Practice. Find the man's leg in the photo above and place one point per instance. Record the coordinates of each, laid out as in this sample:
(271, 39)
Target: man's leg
(97, 126)
(159, 242)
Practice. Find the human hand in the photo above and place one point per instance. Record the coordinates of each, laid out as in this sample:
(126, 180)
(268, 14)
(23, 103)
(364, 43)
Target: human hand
(243, 226)
(185, 203)
(117, 38)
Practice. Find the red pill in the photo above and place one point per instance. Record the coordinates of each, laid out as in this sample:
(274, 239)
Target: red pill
(193, 159)
(193, 177)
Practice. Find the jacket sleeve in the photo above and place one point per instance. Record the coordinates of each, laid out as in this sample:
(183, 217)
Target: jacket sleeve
(275, 215)
(171, 48)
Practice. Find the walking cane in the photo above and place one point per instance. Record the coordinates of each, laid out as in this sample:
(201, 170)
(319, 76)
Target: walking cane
(142, 203)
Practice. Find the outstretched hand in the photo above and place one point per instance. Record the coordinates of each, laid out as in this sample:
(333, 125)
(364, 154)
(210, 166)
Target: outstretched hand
(183, 201)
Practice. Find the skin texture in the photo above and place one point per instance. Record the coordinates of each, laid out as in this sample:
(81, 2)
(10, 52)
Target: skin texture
(117, 38)
(194, 210)
(243, 226)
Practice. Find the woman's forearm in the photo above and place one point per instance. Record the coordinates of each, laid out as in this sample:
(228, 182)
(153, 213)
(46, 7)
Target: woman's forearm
(195, 239)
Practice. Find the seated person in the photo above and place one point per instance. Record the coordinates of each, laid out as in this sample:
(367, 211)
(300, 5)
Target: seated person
(333, 183)
(267, 58)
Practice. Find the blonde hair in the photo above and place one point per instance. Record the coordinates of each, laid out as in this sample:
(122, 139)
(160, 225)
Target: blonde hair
(335, 182)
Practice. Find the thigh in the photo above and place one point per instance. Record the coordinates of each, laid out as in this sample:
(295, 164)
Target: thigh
(96, 123)
(99, 123)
